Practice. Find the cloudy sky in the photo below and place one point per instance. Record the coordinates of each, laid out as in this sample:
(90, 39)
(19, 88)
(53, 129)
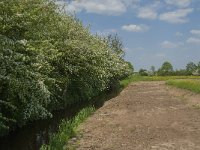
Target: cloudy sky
(153, 31)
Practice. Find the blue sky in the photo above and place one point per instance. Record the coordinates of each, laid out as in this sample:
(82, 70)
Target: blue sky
(153, 31)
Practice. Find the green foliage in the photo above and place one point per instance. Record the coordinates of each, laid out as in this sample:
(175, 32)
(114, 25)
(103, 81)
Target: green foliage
(152, 70)
(166, 69)
(198, 68)
(191, 67)
(192, 85)
(67, 130)
(48, 60)
(143, 72)
(115, 44)
(181, 72)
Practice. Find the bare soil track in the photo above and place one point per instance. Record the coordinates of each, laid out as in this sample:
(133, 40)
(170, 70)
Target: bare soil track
(145, 116)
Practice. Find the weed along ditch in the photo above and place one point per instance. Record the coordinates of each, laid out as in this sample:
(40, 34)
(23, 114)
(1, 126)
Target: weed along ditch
(35, 134)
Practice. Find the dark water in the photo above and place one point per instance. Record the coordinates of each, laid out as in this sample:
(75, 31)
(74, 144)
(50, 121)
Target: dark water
(33, 135)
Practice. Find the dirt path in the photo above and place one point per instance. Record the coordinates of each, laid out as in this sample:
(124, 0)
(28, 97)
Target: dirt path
(145, 116)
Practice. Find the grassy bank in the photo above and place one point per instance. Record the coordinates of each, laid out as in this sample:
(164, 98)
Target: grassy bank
(67, 130)
(192, 85)
(135, 78)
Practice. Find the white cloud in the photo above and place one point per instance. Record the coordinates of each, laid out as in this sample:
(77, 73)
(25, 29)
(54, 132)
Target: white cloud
(130, 2)
(135, 28)
(147, 13)
(179, 34)
(170, 45)
(195, 32)
(178, 16)
(193, 40)
(108, 7)
(179, 3)
(67, 7)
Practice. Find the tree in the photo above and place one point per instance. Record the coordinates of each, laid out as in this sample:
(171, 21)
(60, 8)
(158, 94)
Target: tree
(166, 69)
(181, 72)
(143, 72)
(49, 60)
(152, 70)
(191, 67)
(198, 68)
(115, 43)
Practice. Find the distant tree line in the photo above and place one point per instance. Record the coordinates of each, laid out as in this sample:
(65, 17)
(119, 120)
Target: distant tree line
(167, 70)
(49, 60)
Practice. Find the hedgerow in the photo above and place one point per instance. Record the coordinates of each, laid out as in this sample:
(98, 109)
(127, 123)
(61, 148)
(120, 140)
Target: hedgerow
(48, 60)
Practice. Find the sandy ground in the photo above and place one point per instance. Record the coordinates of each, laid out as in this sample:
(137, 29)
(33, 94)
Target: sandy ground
(145, 116)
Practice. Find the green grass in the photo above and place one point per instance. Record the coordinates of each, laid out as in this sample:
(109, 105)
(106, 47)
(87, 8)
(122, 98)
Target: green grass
(67, 130)
(188, 84)
(136, 78)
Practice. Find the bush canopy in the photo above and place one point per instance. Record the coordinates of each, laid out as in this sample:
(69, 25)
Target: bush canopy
(49, 60)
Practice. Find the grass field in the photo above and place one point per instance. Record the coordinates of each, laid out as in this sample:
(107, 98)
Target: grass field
(135, 78)
(188, 84)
